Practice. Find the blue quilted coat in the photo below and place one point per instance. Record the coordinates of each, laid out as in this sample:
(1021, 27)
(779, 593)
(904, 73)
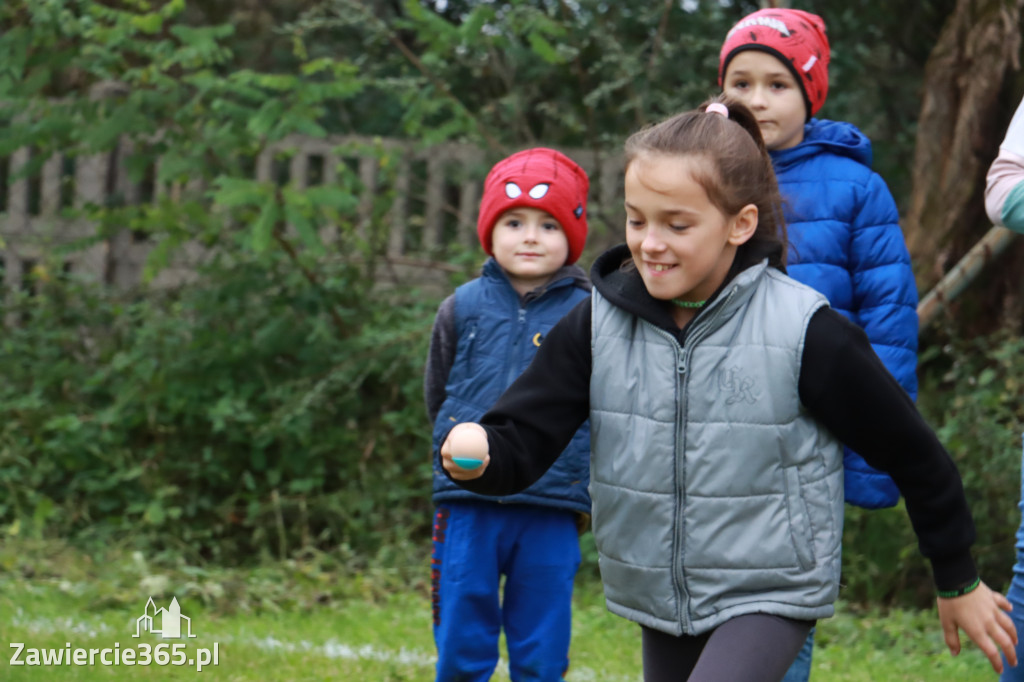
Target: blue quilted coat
(498, 336)
(846, 242)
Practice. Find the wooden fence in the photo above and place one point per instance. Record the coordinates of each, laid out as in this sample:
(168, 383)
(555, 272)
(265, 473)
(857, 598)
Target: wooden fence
(414, 201)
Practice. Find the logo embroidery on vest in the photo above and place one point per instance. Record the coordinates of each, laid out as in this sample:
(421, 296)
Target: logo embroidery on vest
(740, 387)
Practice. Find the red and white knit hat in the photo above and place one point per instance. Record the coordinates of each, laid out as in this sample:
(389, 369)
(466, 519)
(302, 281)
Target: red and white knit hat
(537, 178)
(794, 37)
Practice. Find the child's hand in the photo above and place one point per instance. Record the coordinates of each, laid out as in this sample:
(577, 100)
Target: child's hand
(981, 614)
(465, 443)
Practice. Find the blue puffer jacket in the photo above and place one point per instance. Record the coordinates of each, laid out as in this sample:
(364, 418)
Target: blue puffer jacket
(497, 338)
(846, 242)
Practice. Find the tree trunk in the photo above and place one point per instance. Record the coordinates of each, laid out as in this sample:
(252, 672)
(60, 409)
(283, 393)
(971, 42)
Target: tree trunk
(959, 131)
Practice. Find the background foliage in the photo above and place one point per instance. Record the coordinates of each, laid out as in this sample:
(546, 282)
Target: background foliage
(223, 421)
(273, 405)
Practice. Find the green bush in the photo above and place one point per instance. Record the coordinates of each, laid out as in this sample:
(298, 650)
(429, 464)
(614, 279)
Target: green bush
(230, 418)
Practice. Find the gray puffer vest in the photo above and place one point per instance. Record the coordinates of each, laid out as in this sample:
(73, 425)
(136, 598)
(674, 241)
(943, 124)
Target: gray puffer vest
(715, 493)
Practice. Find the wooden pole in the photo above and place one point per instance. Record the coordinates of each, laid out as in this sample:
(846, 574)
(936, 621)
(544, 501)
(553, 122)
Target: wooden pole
(956, 280)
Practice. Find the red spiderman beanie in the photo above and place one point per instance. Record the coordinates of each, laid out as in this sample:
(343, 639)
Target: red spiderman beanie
(537, 178)
(794, 37)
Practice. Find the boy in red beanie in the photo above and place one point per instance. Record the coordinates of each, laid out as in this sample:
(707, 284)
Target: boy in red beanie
(533, 224)
(842, 222)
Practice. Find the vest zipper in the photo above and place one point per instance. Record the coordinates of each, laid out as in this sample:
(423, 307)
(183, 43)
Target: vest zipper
(678, 531)
(682, 360)
(683, 354)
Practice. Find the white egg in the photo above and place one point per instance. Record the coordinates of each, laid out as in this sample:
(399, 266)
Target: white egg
(468, 446)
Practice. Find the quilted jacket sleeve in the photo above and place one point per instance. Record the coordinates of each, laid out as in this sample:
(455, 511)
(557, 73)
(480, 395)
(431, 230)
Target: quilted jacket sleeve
(884, 291)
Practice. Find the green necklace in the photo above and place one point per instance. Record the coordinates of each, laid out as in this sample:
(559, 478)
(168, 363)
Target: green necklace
(689, 304)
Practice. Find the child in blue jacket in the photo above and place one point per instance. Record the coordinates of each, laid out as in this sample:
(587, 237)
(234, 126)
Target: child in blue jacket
(844, 232)
(533, 223)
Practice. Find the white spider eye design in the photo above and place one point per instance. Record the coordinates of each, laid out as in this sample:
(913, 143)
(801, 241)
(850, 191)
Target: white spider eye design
(540, 190)
(512, 190)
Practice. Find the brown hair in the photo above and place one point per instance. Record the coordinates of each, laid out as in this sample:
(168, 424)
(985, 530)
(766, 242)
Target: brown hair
(739, 171)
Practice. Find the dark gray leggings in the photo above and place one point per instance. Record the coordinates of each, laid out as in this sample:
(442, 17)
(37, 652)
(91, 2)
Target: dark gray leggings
(752, 648)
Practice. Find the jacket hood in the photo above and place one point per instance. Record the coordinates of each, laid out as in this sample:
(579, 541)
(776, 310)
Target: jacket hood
(614, 275)
(837, 137)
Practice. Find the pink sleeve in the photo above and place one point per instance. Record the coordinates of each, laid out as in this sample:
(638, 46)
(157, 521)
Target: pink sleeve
(1007, 172)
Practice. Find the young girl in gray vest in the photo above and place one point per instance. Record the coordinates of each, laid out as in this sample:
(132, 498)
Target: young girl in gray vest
(720, 393)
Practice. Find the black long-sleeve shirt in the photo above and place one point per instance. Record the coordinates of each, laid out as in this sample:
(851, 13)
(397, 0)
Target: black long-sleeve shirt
(842, 383)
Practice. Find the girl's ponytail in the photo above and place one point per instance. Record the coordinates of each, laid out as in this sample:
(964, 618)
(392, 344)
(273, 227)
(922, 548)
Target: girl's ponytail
(745, 118)
(741, 115)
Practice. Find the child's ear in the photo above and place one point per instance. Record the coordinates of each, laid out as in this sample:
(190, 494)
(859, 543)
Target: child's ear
(743, 225)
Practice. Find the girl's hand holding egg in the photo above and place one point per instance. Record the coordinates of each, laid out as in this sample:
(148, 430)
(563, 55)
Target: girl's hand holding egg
(465, 453)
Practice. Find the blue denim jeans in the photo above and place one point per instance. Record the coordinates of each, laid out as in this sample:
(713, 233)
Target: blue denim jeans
(800, 671)
(1016, 597)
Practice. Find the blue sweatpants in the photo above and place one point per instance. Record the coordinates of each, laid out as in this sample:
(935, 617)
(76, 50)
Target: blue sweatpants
(537, 550)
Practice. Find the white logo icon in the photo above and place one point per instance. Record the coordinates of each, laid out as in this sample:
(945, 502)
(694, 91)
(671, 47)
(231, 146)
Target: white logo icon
(169, 620)
(514, 191)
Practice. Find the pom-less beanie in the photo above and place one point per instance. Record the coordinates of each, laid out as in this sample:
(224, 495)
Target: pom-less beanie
(538, 178)
(795, 37)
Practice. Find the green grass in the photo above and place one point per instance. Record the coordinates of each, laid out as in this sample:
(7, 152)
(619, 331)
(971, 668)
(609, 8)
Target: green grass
(298, 621)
